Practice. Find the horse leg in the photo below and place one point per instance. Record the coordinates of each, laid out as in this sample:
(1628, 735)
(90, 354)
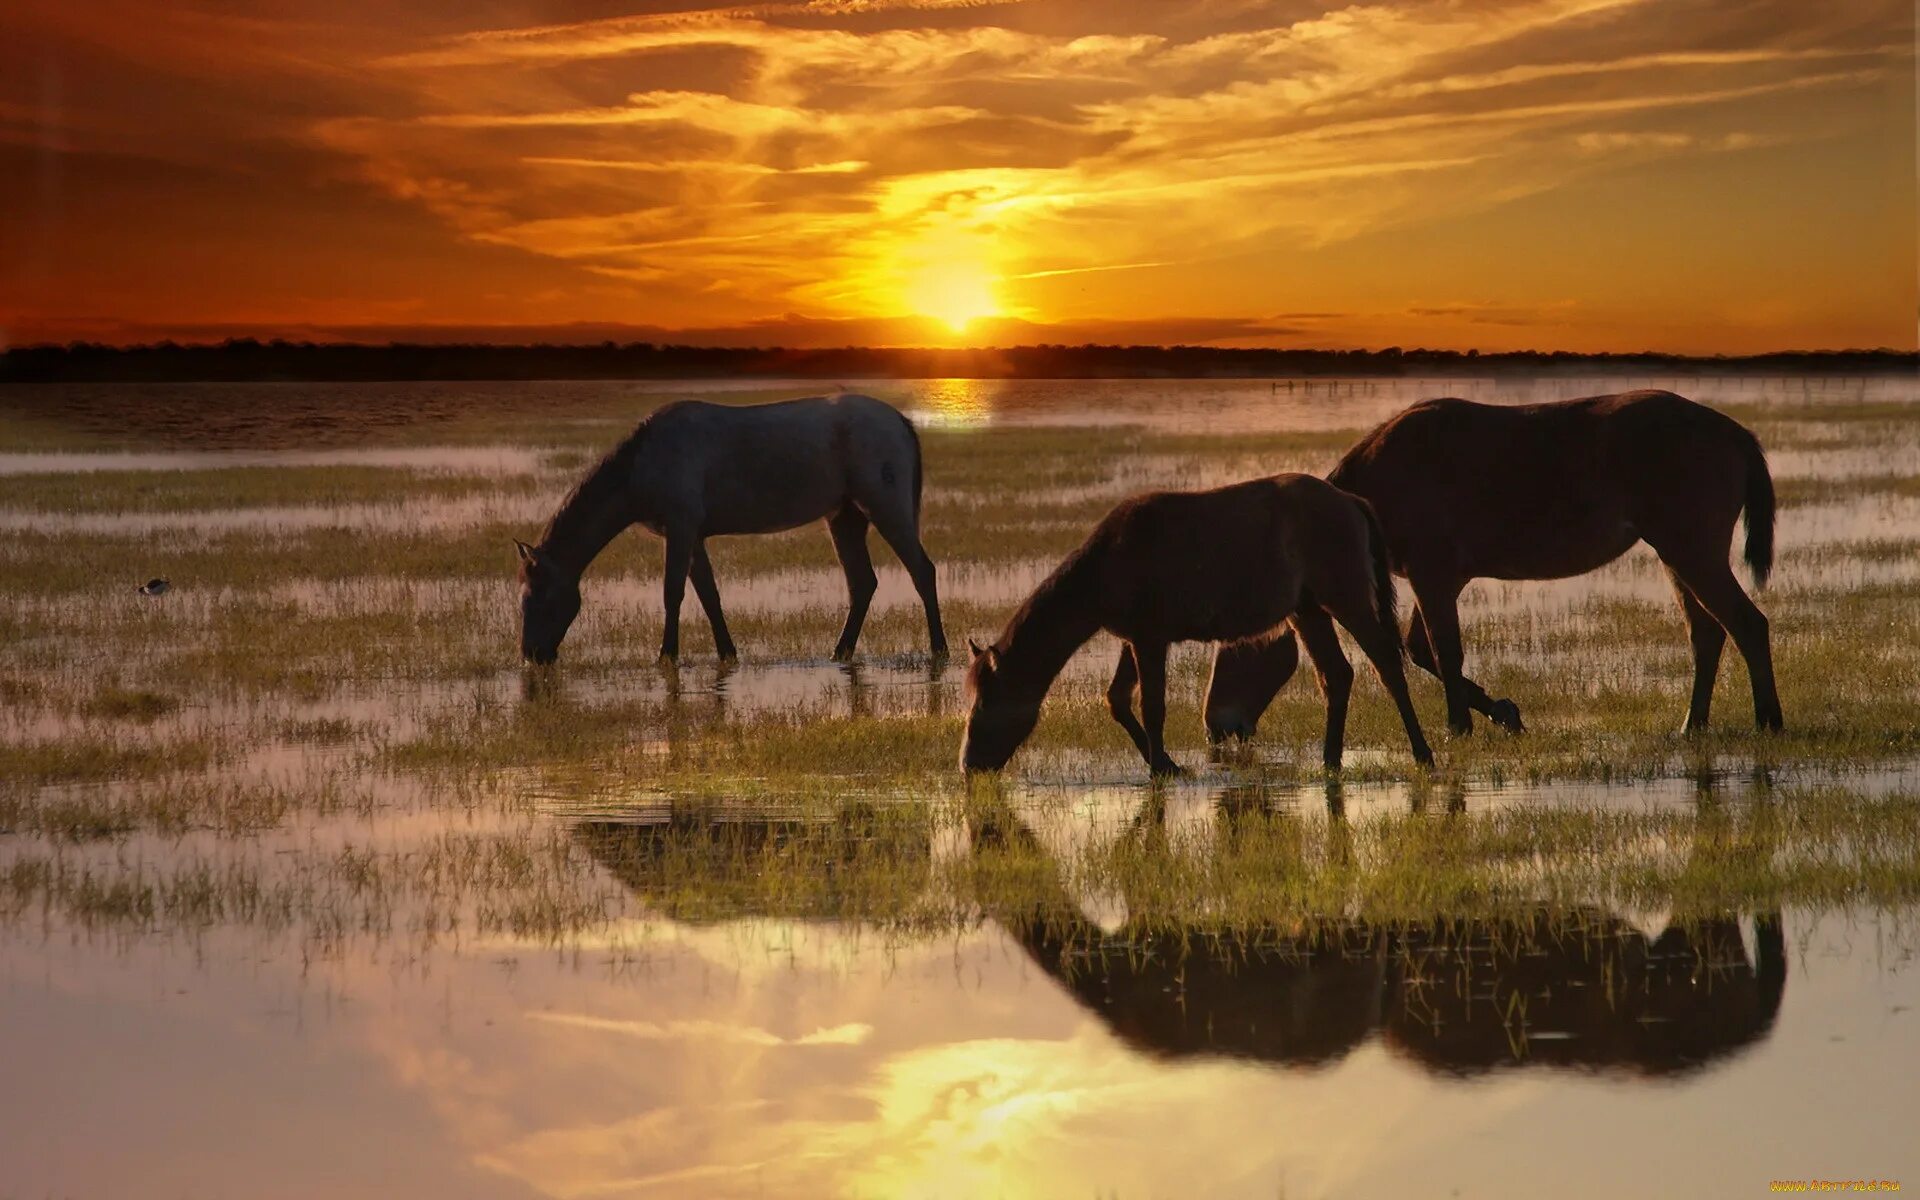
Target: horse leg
(674, 590)
(1419, 649)
(902, 532)
(1126, 679)
(1382, 649)
(1505, 713)
(1335, 675)
(1709, 639)
(1151, 661)
(1438, 608)
(849, 529)
(1711, 581)
(703, 587)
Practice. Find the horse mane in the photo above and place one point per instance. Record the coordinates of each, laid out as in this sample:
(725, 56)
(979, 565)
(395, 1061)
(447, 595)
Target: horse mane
(1050, 618)
(1066, 576)
(584, 509)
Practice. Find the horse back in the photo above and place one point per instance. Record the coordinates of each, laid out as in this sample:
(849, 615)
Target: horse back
(1536, 491)
(766, 467)
(1217, 565)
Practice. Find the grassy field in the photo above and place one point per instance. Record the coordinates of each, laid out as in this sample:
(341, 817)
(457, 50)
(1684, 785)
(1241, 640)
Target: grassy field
(322, 729)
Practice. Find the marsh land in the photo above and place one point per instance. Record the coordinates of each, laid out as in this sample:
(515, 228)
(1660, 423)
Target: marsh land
(309, 888)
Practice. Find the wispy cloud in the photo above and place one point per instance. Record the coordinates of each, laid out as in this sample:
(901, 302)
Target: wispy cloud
(1058, 271)
(706, 168)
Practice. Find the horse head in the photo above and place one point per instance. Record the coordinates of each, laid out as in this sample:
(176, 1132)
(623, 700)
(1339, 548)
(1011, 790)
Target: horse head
(549, 601)
(999, 716)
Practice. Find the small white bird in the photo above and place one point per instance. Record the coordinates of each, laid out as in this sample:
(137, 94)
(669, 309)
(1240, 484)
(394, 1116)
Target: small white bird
(157, 586)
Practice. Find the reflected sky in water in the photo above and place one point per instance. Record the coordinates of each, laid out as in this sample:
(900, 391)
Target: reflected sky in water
(777, 1058)
(1050, 1049)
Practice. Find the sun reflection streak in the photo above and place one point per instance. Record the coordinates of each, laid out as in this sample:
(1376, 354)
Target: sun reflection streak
(956, 403)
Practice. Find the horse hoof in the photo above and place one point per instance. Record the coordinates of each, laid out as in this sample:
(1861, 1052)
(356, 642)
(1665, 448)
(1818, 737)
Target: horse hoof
(1166, 768)
(1506, 714)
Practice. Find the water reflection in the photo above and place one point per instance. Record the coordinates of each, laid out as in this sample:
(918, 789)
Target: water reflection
(1574, 988)
(703, 861)
(1229, 406)
(255, 416)
(908, 685)
(1566, 985)
(1570, 986)
(478, 460)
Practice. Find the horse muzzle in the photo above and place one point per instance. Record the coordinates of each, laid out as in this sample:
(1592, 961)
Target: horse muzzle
(973, 762)
(1228, 724)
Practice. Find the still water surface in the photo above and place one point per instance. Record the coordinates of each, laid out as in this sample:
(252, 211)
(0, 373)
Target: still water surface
(769, 1057)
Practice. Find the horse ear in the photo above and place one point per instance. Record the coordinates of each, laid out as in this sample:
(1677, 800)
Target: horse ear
(528, 554)
(975, 647)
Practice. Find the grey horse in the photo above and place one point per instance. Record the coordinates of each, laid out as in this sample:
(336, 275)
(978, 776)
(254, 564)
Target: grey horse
(693, 470)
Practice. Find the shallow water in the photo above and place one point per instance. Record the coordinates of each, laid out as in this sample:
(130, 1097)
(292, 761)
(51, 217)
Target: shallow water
(160, 420)
(774, 1057)
(328, 1004)
(497, 460)
(1228, 406)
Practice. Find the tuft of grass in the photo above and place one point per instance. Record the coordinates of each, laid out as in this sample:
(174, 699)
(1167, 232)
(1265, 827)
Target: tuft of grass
(132, 704)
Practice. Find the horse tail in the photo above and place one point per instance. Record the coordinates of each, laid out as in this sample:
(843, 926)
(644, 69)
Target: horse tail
(1386, 601)
(919, 472)
(1759, 508)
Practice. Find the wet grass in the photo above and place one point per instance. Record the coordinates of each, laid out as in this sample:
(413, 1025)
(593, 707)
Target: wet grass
(242, 749)
(193, 491)
(88, 757)
(450, 885)
(1259, 859)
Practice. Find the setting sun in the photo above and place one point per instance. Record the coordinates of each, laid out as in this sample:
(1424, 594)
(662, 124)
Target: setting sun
(956, 293)
(814, 174)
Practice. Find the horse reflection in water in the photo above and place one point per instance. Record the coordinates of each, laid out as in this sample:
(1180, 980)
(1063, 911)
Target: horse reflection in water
(1573, 987)
(701, 862)
(693, 701)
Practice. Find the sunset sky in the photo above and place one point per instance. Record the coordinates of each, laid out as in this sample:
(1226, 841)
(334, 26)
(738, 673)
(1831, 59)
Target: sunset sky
(1552, 174)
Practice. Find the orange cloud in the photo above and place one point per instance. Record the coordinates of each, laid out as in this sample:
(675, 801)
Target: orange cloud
(709, 168)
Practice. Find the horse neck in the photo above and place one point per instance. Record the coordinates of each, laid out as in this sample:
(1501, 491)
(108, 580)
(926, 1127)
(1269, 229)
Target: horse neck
(592, 515)
(1056, 620)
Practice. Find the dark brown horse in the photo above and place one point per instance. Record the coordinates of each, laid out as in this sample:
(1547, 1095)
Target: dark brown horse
(1545, 491)
(1166, 567)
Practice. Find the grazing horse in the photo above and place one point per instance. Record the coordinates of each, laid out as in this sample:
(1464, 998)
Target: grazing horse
(1546, 491)
(1221, 565)
(692, 471)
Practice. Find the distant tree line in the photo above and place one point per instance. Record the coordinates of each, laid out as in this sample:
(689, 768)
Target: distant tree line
(246, 359)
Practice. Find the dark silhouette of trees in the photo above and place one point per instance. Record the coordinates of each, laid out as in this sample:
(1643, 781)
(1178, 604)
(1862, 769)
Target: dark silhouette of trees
(253, 360)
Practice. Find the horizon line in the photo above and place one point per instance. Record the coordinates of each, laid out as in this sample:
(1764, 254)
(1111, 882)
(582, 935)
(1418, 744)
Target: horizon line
(250, 341)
